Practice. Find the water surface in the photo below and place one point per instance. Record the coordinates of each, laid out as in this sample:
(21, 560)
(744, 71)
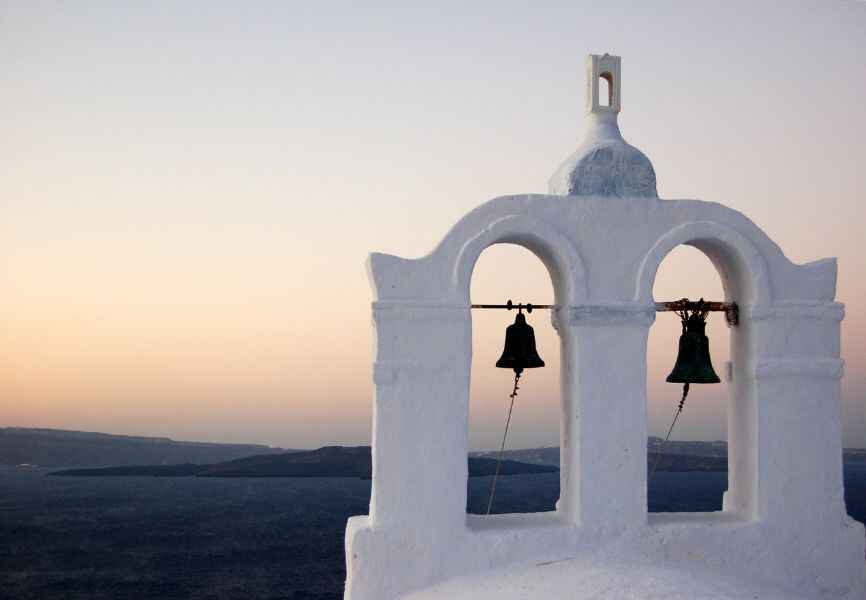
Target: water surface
(97, 538)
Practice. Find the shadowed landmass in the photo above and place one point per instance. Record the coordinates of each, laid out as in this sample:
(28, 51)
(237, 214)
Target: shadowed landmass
(677, 456)
(62, 448)
(330, 461)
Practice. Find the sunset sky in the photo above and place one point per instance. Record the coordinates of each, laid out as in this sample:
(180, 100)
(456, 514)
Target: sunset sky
(188, 192)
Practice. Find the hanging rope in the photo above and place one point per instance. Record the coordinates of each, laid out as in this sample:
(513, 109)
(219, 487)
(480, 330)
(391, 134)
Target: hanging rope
(502, 446)
(667, 437)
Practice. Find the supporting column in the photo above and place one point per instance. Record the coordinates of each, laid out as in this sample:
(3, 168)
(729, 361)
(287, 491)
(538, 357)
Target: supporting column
(741, 497)
(796, 373)
(421, 413)
(794, 444)
(420, 444)
(604, 415)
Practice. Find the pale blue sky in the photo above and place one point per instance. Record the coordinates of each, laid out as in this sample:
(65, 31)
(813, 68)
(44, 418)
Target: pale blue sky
(190, 189)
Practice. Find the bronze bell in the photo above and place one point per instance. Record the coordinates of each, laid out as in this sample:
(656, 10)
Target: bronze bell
(693, 360)
(519, 352)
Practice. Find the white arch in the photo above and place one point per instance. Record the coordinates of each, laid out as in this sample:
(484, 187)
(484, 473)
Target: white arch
(555, 251)
(740, 264)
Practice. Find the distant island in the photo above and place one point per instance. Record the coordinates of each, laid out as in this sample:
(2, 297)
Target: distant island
(157, 456)
(63, 448)
(677, 456)
(330, 461)
(668, 460)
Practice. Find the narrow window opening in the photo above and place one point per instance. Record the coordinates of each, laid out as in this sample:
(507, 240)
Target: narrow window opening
(503, 272)
(692, 474)
(605, 89)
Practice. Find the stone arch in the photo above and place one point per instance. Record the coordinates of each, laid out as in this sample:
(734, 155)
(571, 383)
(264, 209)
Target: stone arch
(740, 264)
(568, 276)
(745, 279)
(556, 252)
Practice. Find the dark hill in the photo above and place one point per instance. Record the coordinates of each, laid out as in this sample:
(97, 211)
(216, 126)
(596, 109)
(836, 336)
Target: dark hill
(330, 461)
(61, 448)
(184, 470)
(676, 455)
(669, 461)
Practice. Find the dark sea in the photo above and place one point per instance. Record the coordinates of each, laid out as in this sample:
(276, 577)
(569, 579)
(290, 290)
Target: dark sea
(82, 538)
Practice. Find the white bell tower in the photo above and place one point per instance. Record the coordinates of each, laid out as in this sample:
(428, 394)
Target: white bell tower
(602, 232)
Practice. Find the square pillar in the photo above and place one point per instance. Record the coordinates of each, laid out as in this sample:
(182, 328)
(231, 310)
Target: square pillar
(604, 455)
(795, 376)
(420, 443)
(420, 421)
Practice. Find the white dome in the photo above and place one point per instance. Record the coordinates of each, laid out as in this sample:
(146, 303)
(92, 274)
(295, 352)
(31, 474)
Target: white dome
(605, 164)
(608, 167)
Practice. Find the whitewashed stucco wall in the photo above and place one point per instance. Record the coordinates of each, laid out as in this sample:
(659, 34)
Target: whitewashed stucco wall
(784, 517)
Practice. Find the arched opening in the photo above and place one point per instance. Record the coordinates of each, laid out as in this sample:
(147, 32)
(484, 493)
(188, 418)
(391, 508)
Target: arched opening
(605, 89)
(691, 473)
(503, 272)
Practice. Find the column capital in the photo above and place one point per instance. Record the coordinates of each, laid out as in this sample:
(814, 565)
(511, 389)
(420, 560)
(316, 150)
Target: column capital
(610, 314)
(820, 311)
(419, 311)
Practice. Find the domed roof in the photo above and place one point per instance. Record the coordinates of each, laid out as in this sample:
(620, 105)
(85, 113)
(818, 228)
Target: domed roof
(606, 168)
(605, 164)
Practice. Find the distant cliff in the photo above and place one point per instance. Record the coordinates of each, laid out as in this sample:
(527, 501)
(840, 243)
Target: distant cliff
(60, 448)
(676, 456)
(330, 461)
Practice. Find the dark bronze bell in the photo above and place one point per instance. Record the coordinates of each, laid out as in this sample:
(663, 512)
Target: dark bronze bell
(693, 360)
(519, 352)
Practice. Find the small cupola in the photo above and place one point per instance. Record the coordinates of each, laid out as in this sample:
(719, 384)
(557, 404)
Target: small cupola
(605, 164)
